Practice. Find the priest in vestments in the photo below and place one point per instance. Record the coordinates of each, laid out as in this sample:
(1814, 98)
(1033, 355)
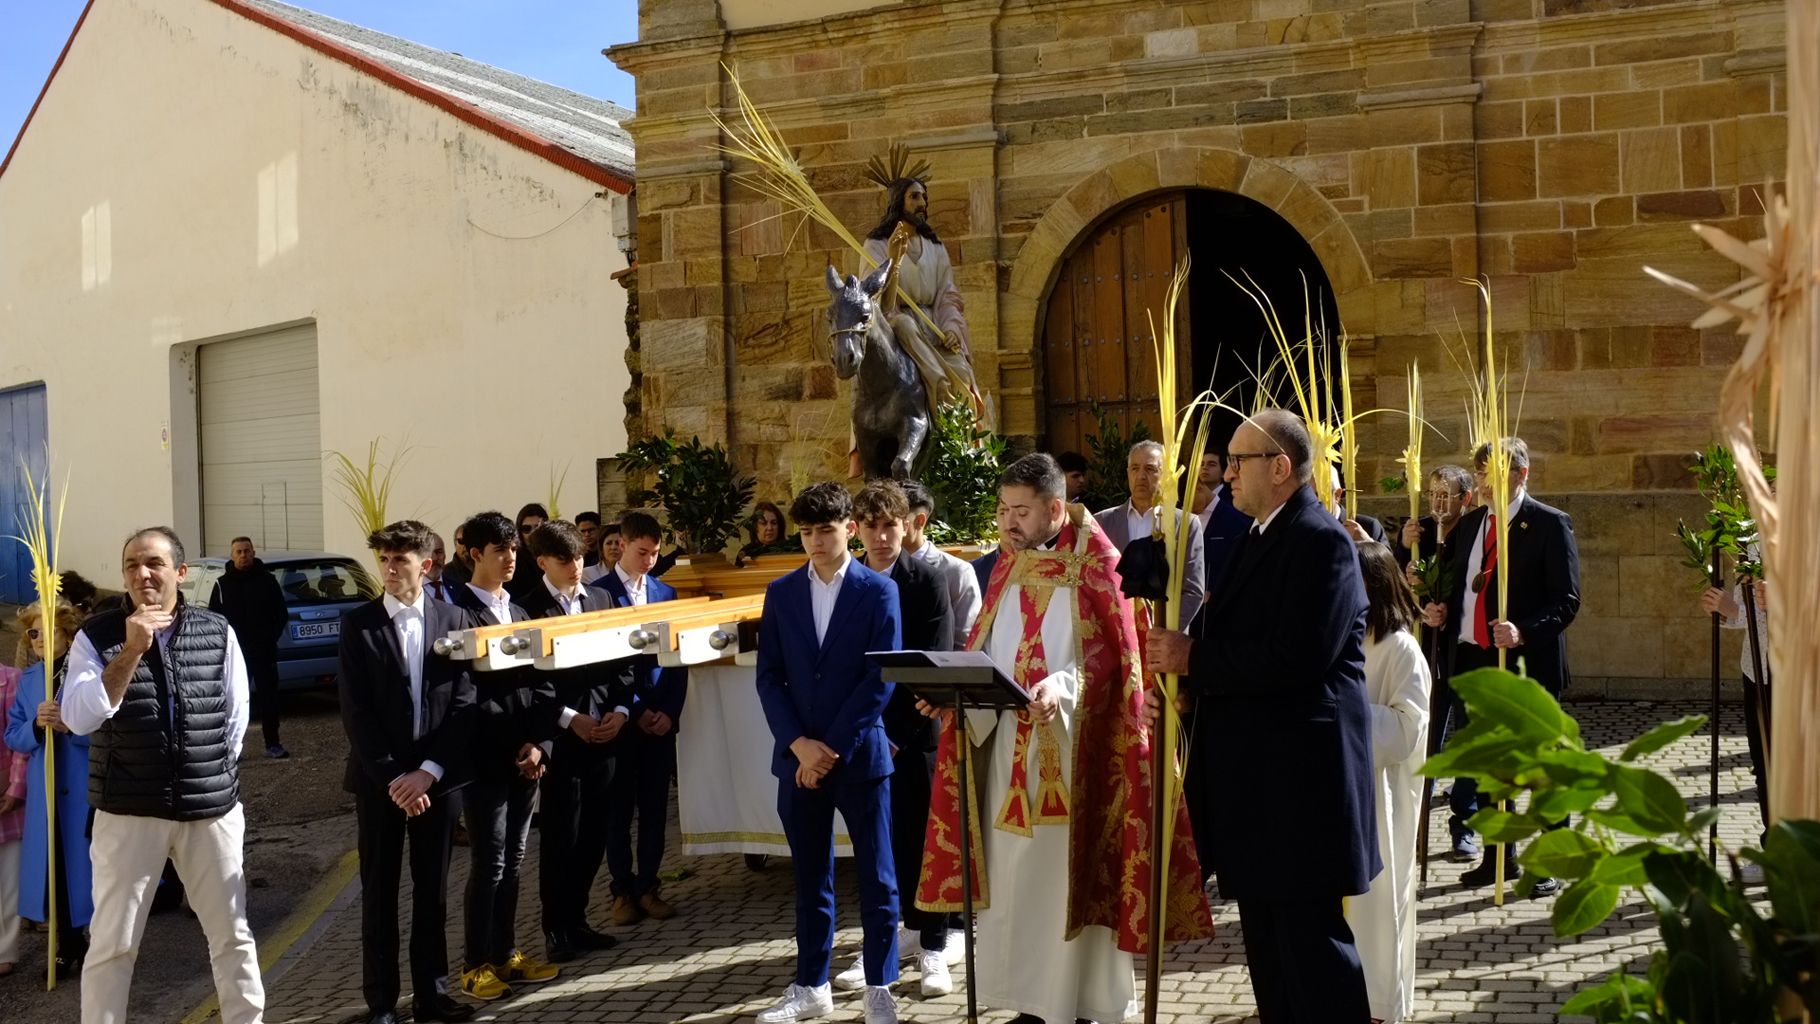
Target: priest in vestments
(1063, 897)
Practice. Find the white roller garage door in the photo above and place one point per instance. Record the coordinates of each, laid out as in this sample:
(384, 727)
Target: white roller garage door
(260, 424)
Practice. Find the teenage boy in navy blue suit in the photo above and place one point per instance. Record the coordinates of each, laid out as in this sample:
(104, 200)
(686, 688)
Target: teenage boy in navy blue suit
(824, 701)
(640, 787)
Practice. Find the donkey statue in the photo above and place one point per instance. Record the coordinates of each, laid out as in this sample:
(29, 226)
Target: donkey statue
(890, 404)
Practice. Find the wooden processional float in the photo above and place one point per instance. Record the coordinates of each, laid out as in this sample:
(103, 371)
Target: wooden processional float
(714, 618)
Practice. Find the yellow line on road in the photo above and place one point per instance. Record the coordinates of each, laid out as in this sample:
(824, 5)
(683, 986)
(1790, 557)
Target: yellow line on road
(309, 910)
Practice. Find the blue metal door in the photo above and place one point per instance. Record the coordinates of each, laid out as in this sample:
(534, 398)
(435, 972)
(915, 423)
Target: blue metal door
(23, 430)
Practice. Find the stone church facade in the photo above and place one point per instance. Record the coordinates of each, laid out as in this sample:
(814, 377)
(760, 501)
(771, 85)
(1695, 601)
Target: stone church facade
(1552, 147)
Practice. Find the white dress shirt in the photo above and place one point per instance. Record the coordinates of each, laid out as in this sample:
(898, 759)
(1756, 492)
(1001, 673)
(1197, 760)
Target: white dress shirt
(571, 605)
(1139, 524)
(85, 705)
(635, 588)
(1475, 563)
(1264, 524)
(823, 595)
(499, 604)
(408, 620)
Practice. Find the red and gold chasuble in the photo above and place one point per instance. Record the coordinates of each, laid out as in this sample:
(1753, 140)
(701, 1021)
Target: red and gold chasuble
(1106, 805)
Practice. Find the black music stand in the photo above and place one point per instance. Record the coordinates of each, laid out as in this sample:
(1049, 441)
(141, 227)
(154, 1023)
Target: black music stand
(958, 680)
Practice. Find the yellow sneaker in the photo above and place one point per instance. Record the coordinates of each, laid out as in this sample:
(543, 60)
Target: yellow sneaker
(522, 968)
(483, 983)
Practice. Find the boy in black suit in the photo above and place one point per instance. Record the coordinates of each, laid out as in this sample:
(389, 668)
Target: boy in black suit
(593, 703)
(516, 724)
(409, 716)
(882, 512)
(645, 762)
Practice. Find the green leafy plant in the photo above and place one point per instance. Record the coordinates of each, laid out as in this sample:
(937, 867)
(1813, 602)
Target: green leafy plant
(1730, 527)
(1393, 484)
(1720, 960)
(1109, 448)
(1434, 578)
(963, 473)
(696, 484)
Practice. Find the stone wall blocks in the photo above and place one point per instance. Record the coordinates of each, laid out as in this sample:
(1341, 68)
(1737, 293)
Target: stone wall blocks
(1577, 165)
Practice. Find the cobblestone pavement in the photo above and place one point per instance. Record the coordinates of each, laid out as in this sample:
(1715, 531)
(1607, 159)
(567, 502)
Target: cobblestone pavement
(729, 952)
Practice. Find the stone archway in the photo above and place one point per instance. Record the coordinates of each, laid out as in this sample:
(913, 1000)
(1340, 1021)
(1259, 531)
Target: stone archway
(1116, 185)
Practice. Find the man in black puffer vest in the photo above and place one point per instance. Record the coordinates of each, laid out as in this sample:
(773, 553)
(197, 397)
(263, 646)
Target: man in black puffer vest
(254, 605)
(160, 688)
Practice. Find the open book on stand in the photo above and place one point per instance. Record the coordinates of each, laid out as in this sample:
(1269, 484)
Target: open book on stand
(943, 677)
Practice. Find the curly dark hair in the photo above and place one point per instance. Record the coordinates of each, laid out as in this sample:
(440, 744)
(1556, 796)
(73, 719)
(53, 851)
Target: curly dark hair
(881, 499)
(826, 502)
(484, 528)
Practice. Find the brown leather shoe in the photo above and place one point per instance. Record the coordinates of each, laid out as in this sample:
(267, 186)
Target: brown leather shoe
(626, 911)
(653, 904)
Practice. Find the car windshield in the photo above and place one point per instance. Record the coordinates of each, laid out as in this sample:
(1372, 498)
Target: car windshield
(324, 582)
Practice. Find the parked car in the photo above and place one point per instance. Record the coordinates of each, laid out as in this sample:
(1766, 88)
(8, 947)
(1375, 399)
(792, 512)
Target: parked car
(318, 587)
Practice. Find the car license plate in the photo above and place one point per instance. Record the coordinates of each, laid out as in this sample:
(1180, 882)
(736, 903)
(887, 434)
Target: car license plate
(314, 630)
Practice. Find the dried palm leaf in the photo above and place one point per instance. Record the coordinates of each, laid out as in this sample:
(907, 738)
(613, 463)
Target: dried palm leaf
(40, 540)
(1777, 306)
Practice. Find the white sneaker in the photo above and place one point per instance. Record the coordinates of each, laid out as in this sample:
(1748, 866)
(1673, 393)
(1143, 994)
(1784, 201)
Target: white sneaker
(934, 965)
(956, 949)
(853, 978)
(880, 1007)
(803, 1003)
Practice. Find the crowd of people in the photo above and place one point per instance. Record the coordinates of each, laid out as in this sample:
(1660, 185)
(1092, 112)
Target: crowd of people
(1338, 703)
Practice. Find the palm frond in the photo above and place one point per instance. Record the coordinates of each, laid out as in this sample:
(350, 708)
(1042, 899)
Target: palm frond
(365, 488)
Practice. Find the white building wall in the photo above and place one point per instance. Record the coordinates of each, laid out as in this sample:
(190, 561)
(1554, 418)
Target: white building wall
(192, 175)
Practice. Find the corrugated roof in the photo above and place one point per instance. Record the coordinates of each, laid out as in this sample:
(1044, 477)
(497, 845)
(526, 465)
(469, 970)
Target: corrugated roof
(583, 125)
(576, 132)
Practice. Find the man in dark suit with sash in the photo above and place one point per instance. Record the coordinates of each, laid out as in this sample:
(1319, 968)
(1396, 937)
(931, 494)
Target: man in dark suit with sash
(1544, 596)
(1278, 682)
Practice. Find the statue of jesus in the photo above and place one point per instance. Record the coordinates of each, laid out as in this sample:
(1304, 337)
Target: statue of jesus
(920, 267)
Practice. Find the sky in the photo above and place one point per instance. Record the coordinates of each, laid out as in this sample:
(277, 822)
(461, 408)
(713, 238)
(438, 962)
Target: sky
(558, 41)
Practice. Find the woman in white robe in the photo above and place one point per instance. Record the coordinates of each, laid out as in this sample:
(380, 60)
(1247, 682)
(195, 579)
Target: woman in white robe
(1398, 680)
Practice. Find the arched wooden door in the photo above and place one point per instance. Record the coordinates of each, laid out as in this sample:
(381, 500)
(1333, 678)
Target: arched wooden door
(1097, 339)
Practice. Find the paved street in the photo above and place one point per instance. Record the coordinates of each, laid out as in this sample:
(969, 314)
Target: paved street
(728, 952)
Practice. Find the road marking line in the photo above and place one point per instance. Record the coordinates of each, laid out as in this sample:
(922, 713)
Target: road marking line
(304, 922)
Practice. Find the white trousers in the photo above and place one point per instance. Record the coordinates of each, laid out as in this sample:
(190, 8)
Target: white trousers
(128, 854)
(9, 901)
